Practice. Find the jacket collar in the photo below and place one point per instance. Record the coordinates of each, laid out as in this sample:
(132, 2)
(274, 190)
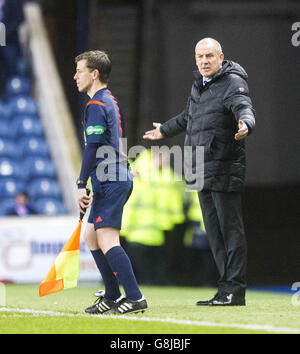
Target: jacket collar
(228, 67)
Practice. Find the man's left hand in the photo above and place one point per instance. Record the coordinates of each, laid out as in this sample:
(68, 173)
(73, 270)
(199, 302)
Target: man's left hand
(242, 132)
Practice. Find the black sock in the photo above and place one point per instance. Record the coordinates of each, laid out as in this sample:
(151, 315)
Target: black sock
(122, 268)
(112, 290)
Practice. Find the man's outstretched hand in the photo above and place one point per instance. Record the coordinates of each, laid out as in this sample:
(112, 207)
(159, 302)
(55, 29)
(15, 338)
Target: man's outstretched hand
(154, 134)
(242, 132)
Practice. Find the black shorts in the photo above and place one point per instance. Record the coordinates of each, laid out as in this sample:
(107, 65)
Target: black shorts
(108, 201)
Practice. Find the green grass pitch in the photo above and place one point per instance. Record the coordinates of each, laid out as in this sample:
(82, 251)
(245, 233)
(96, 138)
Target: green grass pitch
(171, 310)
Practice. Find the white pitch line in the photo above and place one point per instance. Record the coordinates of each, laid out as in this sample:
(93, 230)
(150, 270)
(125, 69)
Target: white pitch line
(253, 327)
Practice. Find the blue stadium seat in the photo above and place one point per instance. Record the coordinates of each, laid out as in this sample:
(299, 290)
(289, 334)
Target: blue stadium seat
(49, 206)
(3, 110)
(22, 68)
(44, 187)
(10, 187)
(8, 148)
(33, 146)
(5, 130)
(10, 168)
(6, 205)
(22, 105)
(17, 85)
(27, 126)
(37, 167)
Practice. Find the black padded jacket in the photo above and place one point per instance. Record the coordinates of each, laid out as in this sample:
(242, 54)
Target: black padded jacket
(210, 120)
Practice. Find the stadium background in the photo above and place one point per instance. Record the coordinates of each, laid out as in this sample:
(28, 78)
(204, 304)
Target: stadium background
(151, 44)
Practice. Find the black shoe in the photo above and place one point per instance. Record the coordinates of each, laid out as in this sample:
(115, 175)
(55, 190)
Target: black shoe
(102, 305)
(126, 306)
(208, 302)
(229, 299)
(100, 296)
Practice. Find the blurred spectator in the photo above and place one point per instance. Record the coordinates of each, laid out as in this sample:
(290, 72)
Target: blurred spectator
(152, 211)
(22, 207)
(162, 227)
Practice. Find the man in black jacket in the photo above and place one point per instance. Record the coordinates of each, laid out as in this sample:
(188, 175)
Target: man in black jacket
(217, 117)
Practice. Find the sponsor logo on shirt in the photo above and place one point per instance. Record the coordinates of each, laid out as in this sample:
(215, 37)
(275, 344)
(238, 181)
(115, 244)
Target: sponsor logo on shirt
(96, 129)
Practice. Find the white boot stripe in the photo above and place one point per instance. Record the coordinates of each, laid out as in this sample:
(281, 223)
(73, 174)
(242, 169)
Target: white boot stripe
(100, 307)
(105, 305)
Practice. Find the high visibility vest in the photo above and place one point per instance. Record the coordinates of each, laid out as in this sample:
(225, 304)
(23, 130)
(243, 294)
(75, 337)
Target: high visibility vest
(170, 194)
(140, 216)
(142, 165)
(156, 203)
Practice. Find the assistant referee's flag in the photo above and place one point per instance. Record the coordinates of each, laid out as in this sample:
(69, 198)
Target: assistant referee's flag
(65, 271)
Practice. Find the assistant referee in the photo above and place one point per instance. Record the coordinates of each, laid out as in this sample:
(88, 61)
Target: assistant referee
(112, 186)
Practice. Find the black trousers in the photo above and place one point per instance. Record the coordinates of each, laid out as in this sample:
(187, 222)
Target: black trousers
(222, 215)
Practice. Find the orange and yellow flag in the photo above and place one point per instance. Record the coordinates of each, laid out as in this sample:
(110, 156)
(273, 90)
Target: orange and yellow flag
(65, 270)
